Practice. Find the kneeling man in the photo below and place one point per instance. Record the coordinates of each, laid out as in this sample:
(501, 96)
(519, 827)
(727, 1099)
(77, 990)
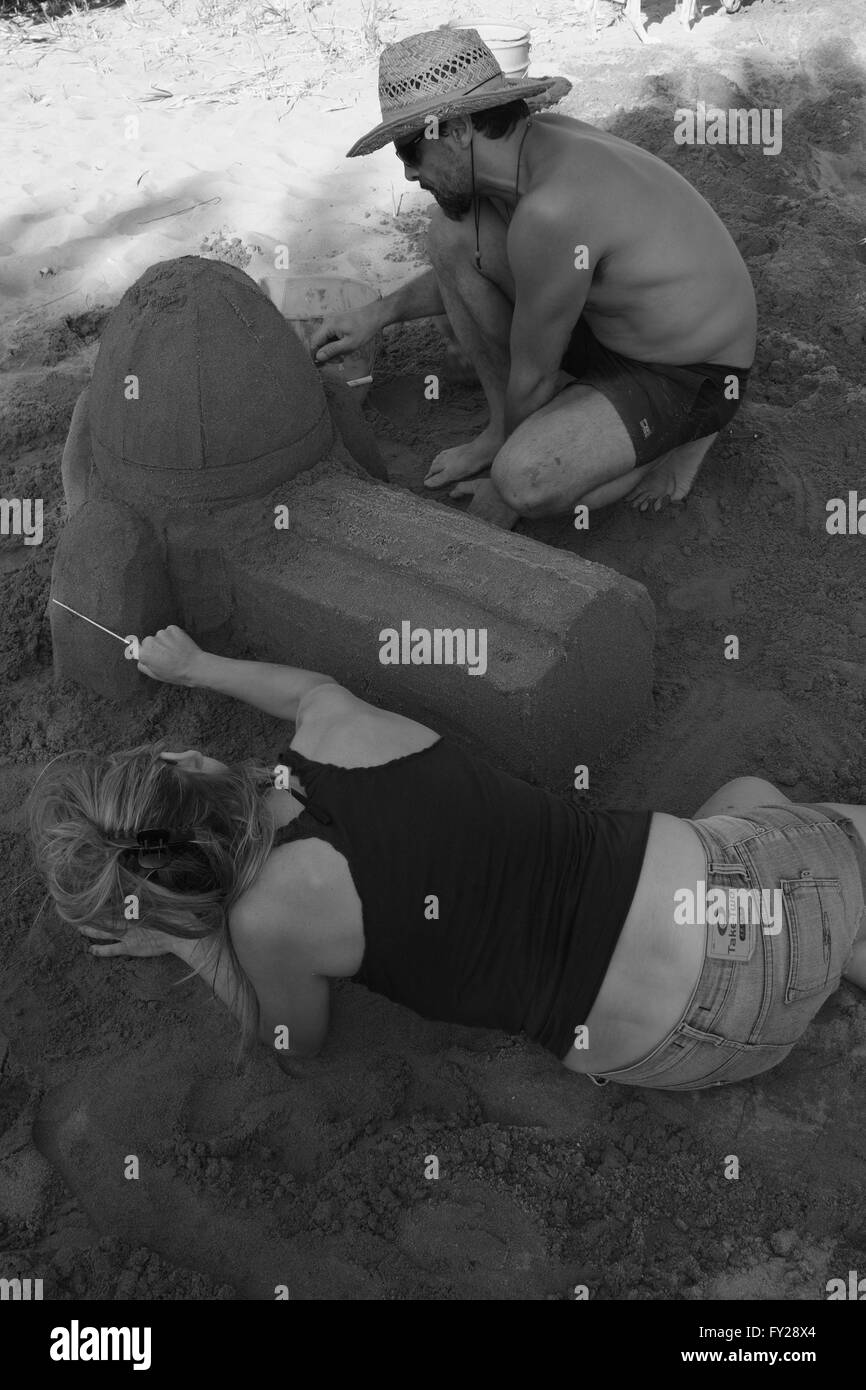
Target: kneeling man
(605, 308)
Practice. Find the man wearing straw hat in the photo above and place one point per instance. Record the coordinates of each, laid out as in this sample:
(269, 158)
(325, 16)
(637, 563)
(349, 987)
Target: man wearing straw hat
(605, 308)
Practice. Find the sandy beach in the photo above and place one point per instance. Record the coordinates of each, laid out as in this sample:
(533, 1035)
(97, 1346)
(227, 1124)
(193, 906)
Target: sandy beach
(147, 131)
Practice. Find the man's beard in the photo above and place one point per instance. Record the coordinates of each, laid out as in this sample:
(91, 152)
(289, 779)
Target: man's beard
(454, 205)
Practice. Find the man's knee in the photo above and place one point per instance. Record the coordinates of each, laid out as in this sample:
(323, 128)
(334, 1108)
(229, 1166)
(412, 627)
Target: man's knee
(520, 483)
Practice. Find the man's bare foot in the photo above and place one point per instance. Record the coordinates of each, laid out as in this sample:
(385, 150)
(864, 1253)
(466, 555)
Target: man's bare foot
(464, 460)
(486, 503)
(671, 477)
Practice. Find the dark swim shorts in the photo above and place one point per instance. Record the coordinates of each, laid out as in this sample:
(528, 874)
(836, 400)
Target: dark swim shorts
(660, 406)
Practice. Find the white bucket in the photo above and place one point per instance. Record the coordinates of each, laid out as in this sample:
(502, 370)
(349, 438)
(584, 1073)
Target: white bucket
(509, 43)
(304, 300)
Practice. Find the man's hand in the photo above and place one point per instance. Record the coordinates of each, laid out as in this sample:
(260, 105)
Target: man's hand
(344, 334)
(170, 656)
(134, 940)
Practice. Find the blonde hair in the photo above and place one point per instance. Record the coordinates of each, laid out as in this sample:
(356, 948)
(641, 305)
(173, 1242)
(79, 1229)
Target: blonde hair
(83, 820)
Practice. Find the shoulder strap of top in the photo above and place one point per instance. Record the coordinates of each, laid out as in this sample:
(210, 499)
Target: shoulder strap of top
(297, 829)
(313, 820)
(305, 767)
(313, 823)
(297, 761)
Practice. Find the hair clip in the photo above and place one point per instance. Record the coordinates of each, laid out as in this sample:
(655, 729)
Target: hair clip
(155, 846)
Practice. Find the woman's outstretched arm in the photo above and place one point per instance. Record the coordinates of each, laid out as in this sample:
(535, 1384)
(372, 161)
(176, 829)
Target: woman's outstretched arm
(171, 655)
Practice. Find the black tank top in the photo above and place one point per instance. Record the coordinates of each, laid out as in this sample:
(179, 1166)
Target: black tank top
(486, 901)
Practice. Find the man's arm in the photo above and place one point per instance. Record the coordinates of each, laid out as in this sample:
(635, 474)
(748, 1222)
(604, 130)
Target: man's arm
(417, 299)
(347, 332)
(553, 270)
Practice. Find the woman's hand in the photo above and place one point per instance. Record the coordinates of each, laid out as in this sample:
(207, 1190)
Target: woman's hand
(344, 334)
(134, 941)
(170, 656)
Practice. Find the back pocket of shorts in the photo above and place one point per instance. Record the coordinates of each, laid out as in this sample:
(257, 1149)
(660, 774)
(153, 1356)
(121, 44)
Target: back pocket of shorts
(811, 906)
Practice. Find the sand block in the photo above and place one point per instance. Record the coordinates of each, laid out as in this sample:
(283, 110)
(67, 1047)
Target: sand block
(201, 579)
(109, 566)
(569, 643)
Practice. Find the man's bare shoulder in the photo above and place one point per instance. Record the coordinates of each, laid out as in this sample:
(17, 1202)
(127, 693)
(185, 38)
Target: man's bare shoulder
(584, 160)
(550, 221)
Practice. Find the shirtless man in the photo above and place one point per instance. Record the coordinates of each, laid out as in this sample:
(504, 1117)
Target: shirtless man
(608, 314)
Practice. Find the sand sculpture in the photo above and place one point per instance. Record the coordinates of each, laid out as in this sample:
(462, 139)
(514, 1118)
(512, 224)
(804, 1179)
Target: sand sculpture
(213, 480)
(202, 399)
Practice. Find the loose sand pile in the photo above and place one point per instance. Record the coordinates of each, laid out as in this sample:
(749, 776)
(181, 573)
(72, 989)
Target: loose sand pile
(318, 1182)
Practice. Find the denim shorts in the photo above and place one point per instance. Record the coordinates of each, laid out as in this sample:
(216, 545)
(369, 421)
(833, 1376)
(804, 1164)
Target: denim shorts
(744, 1016)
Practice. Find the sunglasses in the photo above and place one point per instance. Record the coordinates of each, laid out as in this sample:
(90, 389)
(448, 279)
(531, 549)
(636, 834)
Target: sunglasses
(406, 150)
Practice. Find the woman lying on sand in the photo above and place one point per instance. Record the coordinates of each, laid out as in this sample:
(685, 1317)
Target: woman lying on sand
(397, 860)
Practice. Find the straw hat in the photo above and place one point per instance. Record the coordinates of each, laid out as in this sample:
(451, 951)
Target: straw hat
(443, 72)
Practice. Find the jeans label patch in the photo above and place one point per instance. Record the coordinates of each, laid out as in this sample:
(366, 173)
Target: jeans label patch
(732, 940)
